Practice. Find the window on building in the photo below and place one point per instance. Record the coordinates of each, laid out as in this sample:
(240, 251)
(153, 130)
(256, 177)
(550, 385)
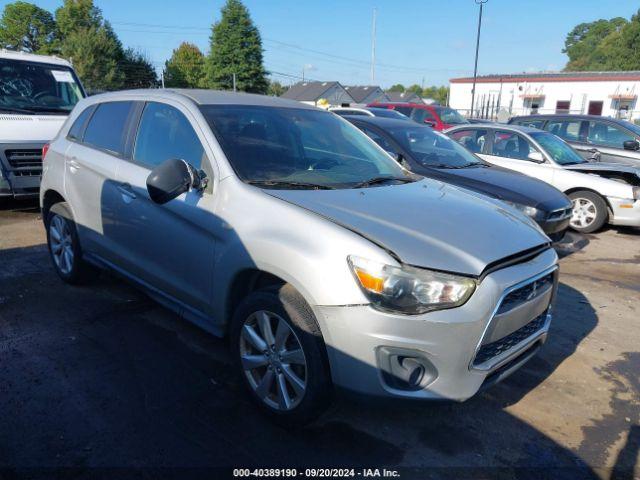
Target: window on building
(563, 106)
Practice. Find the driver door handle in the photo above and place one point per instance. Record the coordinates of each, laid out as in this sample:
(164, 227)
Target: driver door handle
(127, 192)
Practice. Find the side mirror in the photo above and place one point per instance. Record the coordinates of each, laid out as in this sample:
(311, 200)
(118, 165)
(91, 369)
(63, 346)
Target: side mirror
(536, 157)
(171, 179)
(631, 145)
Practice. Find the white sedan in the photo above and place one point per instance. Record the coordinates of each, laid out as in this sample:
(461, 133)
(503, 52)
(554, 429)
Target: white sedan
(601, 192)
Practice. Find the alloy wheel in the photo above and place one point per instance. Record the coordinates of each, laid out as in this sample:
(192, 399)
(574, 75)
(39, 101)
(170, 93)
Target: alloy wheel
(61, 244)
(273, 360)
(584, 213)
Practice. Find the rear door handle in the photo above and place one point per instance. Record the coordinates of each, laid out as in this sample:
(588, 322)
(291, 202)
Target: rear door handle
(127, 192)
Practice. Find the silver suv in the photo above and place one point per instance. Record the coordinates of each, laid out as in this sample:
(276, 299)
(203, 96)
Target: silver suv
(286, 229)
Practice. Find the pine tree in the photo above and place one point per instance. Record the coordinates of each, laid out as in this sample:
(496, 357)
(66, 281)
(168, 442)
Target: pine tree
(236, 48)
(185, 68)
(91, 44)
(138, 70)
(28, 28)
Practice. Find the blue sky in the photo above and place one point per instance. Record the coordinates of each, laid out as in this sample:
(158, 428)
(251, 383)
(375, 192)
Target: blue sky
(418, 40)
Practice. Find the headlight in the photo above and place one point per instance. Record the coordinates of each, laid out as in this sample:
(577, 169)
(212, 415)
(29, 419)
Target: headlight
(526, 209)
(410, 290)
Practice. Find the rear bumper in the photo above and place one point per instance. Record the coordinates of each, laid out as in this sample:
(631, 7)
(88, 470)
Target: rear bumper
(365, 346)
(624, 212)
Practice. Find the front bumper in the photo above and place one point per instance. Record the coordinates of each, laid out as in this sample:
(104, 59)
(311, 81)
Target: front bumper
(624, 211)
(20, 177)
(556, 223)
(362, 342)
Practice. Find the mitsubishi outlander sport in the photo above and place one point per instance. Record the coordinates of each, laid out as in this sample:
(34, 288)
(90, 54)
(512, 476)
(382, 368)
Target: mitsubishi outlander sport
(285, 229)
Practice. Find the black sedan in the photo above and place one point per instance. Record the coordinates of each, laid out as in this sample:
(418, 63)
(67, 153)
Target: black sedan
(432, 154)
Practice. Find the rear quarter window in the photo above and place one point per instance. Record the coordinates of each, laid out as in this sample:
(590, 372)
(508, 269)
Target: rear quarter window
(77, 129)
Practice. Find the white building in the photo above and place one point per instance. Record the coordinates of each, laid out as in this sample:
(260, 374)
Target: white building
(611, 94)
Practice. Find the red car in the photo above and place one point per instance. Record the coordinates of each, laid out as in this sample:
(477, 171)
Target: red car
(436, 116)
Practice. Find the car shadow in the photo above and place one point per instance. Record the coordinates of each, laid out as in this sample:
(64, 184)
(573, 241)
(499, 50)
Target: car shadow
(27, 205)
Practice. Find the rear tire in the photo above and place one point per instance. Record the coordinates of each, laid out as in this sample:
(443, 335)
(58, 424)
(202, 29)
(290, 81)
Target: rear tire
(288, 379)
(589, 211)
(64, 247)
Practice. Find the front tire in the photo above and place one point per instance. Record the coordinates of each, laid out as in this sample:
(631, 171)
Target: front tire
(280, 355)
(589, 211)
(64, 246)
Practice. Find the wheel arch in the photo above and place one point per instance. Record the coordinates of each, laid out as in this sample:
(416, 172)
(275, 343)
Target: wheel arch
(50, 198)
(586, 189)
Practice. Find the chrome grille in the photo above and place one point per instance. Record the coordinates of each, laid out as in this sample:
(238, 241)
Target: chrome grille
(493, 349)
(526, 293)
(25, 158)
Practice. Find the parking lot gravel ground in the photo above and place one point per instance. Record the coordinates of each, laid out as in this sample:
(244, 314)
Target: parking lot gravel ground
(100, 380)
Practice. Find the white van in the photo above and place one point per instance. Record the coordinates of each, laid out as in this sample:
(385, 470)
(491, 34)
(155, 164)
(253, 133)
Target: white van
(37, 93)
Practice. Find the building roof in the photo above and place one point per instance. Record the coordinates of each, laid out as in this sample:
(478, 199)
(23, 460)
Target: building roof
(31, 57)
(553, 77)
(403, 96)
(308, 91)
(360, 92)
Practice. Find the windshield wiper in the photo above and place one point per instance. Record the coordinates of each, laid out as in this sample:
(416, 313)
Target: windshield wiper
(376, 180)
(288, 184)
(14, 109)
(468, 165)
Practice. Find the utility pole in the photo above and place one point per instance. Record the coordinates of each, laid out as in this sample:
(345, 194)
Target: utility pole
(162, 77)
(303, 66)
(373, 47)
(475, 67)
(234, 82)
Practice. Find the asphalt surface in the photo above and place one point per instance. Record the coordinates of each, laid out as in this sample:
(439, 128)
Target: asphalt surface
(100, 381)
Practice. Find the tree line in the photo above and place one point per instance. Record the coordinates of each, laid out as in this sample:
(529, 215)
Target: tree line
(78, 31)
(604, 45)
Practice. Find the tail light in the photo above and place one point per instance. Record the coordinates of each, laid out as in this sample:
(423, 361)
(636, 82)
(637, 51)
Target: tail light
(45, 149)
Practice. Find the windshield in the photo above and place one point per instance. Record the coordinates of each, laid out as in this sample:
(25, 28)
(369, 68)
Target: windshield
(28, 87)
(433, 149)
(298, 146)
(557, 149)
(450, 116)
(631, 126)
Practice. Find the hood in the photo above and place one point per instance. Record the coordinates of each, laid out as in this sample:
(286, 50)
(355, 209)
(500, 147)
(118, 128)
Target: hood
(505, 185)
(427, 224)
(604, 167)
(616, 171)
(29, 128)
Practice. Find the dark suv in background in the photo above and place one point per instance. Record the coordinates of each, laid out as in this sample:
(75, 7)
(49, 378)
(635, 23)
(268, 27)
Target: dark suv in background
(595, 138)
(435, 116)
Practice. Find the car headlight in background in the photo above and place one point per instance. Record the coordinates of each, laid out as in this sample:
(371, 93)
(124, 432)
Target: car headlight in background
(410, 290)
(526, 209)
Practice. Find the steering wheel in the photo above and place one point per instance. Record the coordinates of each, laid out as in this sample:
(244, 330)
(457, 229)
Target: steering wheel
(323, 164)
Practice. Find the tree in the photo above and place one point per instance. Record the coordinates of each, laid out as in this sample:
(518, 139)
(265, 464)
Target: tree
(95, 57)
(75, 15)
(185, 68)
(28, 28)
(398, 87)
(439, 94)
(415, 88)
(276, 89)
(594, 46)
(91, 44)
(138, 70)
(236, 48)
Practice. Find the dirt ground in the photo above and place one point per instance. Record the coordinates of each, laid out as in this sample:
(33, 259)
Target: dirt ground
(101, 377)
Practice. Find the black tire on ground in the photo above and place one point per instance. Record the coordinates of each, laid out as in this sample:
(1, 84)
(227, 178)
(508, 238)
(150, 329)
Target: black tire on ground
(602, 214)
(290, 306)
(81, 272)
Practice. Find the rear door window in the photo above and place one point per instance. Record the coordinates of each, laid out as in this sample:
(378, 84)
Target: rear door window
(568, 130)
(106, 129)
(512, 145)
(164, 134)
(472, 139)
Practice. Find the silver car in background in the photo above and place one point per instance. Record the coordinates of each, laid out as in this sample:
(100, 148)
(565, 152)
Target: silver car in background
(285, 228)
